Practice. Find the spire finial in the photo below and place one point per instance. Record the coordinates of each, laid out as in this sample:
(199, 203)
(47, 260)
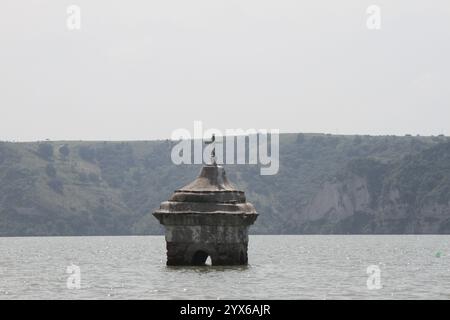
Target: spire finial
(213, 151)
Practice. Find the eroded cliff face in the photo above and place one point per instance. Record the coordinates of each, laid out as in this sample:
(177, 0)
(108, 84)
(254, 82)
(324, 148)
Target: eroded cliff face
(348, 206)
(395, 215)
(340, 206)
(338, 200)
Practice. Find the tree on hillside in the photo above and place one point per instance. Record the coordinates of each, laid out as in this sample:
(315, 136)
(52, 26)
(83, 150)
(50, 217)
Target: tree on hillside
(56, 185)
(50, 170)
(300, 138)
(87, 153)
(64, 151)
(45, 151)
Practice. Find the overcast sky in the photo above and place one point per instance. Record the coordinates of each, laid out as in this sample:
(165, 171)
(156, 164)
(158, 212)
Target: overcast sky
(140, 69)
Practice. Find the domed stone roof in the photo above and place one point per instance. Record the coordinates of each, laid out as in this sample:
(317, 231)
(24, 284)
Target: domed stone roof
(210, 192)
(207, 217)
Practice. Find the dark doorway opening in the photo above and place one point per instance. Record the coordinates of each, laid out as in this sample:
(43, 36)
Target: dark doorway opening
(199, 258)
(242, 258)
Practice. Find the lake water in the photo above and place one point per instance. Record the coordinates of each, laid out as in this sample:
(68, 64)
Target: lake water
(281, 267)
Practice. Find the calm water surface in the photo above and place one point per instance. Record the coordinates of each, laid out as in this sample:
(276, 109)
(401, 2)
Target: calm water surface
(281, 267)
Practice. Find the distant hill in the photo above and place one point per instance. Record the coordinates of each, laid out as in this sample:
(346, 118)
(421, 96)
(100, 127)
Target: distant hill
(326, 184)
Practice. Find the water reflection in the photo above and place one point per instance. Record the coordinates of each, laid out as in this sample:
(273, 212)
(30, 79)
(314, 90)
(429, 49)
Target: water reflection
(207, 268)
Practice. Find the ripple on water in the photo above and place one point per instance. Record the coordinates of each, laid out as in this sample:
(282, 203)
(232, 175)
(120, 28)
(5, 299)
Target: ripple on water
(281, 267)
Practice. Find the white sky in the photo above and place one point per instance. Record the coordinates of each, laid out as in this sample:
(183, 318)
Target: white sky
(140, 69)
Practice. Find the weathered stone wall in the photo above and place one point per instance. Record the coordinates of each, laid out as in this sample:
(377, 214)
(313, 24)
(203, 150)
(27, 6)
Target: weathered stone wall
(207, 234)
(189, 253)
(225, 244)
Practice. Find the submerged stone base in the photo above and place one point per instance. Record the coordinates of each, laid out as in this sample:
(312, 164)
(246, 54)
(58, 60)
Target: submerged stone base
(193, 244)
(195, 254)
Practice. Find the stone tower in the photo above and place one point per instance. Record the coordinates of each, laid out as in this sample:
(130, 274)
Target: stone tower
(208, 217)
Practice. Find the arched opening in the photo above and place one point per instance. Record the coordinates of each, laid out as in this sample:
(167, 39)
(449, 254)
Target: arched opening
(199, 258)
(242, 258)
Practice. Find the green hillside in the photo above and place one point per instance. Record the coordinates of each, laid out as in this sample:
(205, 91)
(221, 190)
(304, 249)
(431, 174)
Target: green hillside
(111, 188)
